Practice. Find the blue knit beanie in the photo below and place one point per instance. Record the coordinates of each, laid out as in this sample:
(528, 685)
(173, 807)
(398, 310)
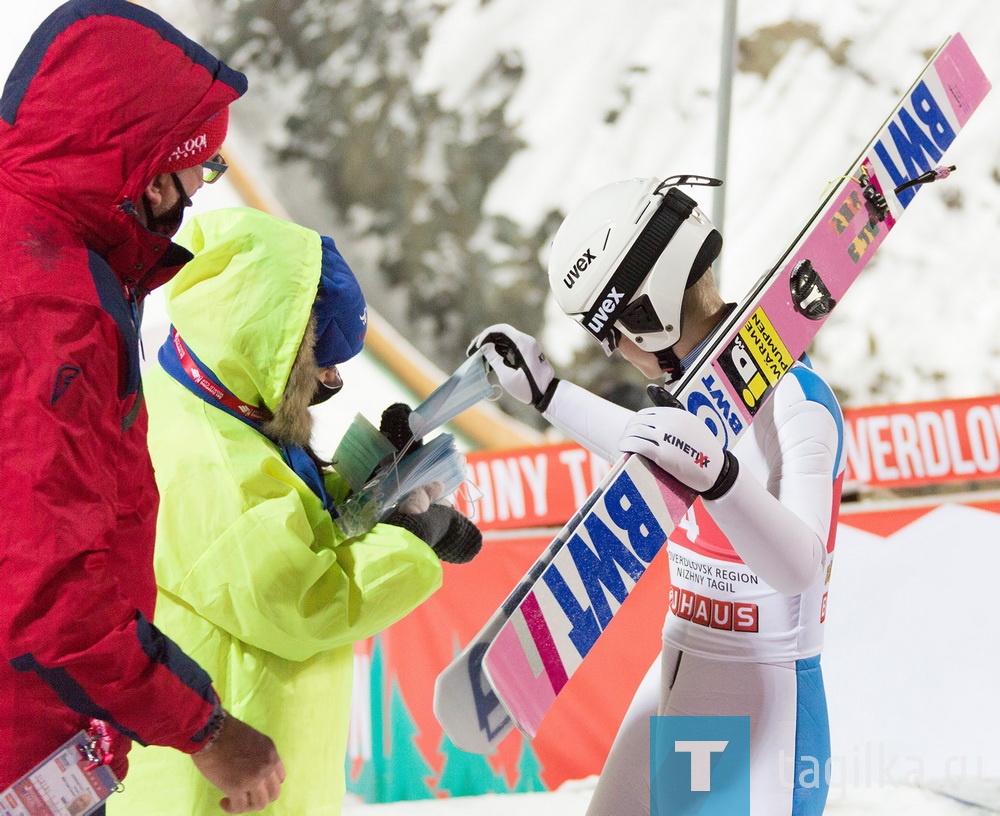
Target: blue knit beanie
(341, 313)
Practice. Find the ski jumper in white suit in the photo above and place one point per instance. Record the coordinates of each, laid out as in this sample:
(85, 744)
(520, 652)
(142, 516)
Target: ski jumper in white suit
(749, 578)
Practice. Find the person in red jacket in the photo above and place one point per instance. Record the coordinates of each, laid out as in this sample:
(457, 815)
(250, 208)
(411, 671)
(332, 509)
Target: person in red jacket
(109, 122)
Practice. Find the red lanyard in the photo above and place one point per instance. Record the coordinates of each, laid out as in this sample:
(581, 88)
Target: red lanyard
(220, 395)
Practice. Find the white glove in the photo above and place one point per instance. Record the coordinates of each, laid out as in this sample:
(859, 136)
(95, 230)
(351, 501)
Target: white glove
(519, 363)
(681, 444)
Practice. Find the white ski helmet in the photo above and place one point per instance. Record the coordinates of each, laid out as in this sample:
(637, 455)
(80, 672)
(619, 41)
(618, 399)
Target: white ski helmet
(622, 258)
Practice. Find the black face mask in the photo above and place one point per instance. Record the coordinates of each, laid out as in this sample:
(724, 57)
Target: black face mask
(324, 392)
(169, 222)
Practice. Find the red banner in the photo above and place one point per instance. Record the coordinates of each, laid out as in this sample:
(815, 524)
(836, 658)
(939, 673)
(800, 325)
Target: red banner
(912, 445)
(924, 443)
(530, 487)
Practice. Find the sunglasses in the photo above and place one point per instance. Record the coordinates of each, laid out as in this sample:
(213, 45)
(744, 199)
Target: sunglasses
(212, 170)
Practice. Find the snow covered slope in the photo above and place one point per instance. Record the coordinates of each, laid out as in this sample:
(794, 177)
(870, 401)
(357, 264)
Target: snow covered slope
(614, 90)
(610, 91)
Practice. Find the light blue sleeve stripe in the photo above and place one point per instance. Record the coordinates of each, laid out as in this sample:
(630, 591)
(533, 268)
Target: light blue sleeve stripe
(816, 390)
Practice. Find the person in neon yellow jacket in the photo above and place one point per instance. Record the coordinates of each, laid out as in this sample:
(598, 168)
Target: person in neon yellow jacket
(255, 580)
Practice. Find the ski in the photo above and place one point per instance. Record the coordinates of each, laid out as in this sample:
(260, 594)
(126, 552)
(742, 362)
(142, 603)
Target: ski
(465, 703)
(514, 669)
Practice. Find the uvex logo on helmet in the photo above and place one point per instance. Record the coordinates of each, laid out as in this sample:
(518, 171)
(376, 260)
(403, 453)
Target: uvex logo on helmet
(606, 310)
(581, 264)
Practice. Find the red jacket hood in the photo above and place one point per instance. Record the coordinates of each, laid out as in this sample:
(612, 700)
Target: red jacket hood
(102, 93)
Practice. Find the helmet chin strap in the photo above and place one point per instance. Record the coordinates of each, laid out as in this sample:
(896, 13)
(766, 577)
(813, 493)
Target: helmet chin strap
(670, 364)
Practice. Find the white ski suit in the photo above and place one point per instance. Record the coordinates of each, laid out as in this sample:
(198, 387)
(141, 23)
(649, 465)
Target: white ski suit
(749, 578)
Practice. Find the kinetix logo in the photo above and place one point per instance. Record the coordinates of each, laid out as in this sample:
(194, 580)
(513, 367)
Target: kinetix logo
(700, 459)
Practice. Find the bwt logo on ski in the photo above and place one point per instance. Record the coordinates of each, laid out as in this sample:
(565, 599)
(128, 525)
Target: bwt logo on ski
(755, 359)
(493, 717)
(581, 264)
(715, 410)
(920, 133)
(627, 547)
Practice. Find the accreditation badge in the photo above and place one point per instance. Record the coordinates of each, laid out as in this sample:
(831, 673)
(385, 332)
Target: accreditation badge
(68, 783)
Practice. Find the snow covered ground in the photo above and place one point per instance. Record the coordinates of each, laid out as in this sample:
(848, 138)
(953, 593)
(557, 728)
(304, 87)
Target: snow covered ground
(572, 799)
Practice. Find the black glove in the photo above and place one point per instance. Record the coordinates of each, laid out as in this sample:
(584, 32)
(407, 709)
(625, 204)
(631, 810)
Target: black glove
(395, 426)
(450, 534)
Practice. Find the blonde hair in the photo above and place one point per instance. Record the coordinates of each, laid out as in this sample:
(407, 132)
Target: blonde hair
(703, 299)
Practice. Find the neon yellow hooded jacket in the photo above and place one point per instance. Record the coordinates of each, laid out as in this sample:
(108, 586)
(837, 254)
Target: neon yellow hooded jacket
(255, 580)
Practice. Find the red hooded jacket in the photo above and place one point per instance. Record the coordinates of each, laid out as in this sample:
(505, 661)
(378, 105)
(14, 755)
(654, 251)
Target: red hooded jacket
(102, 93)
